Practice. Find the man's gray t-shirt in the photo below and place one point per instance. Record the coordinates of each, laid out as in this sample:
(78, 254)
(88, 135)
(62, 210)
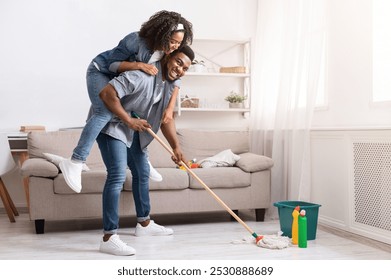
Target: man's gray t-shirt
(147, 96)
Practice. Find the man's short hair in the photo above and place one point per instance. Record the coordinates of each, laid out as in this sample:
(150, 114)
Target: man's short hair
(187, 51)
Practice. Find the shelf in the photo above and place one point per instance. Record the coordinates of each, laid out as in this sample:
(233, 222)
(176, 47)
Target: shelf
(213, 74)
(245, 111)
(17, 141)
(212, 86)
(15, 135)
(222, 41)
(214, 110)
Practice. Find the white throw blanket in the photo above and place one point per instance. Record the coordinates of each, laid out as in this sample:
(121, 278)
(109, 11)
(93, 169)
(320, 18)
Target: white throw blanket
(224, 158)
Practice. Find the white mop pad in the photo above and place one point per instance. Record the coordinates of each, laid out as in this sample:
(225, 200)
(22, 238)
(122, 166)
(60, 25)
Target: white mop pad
(274, 242)
(268, 241)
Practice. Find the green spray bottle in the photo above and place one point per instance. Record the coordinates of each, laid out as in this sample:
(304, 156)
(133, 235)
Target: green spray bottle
(302, 229)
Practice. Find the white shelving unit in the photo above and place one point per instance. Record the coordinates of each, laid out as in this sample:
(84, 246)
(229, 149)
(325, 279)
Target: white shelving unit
(209, 85)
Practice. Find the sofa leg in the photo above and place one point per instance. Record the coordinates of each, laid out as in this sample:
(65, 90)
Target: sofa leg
(39, 226)
(260, 215)
(237, 213)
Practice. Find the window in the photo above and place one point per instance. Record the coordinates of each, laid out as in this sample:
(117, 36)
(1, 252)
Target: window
(381, 60)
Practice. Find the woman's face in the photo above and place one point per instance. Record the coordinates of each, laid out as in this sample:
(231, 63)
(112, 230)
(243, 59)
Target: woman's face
(175, 41)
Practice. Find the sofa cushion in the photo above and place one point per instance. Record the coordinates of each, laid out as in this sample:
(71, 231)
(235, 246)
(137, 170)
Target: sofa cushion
(92, 182)
(38, 167)
(60, 143)
(201, 144)
(173, 179)
(158, 156)
(250, 162)
(220, 177)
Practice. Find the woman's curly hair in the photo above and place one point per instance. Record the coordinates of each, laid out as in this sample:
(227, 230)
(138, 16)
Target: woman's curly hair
(157, 31)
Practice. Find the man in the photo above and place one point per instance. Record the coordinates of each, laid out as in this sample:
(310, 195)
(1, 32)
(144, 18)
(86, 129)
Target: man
(124, 140)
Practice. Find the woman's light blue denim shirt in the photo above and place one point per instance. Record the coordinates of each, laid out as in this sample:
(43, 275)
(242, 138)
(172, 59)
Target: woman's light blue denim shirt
(131, 48)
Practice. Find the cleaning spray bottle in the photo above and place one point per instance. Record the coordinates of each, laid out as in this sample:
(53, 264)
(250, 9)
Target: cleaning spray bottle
(295, 225)
(302, 229)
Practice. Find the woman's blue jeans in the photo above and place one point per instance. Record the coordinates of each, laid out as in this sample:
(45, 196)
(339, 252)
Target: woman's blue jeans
(117, 157)
(100, 116)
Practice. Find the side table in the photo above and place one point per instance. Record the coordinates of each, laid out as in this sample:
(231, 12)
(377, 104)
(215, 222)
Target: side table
(18, 145)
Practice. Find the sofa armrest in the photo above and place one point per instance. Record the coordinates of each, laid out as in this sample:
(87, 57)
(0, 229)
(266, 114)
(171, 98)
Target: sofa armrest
(250, 162)
(38, 167)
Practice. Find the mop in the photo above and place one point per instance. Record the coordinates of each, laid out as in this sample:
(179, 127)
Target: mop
(270, 242)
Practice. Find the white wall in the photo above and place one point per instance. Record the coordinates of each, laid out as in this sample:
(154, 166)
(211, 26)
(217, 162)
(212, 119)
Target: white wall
(349, 89)
(350, 69)
(47, 46)
(349, 180)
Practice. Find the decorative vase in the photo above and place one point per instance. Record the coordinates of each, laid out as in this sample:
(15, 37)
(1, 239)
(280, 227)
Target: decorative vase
(236, 105)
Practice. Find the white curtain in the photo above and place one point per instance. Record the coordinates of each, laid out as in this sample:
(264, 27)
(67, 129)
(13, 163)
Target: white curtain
(288, 66)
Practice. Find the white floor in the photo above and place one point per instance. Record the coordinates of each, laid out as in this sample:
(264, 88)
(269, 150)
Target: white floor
(196, 237)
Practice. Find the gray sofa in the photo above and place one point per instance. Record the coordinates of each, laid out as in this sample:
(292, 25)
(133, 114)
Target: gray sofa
(246, 185)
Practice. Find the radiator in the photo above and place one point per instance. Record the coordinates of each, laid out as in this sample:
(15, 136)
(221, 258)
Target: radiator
(370, 197)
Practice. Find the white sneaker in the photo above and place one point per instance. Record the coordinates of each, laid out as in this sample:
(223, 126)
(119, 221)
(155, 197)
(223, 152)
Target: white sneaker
(72, 174)
(152, 230)
(115, 246)
(153, 174)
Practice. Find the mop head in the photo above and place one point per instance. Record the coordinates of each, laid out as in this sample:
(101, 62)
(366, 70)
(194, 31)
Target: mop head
(276, 241)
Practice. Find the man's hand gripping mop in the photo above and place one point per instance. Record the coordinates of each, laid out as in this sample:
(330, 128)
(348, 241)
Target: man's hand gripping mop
(265, 241)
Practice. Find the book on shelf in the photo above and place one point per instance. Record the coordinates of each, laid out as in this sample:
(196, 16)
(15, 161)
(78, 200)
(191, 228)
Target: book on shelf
(29, 128)
(235, 69)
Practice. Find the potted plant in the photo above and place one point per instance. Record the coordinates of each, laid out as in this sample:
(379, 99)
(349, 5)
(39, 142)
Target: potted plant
(235, 100)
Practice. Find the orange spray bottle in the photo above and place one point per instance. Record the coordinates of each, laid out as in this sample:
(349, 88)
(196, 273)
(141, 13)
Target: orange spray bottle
(295, 225)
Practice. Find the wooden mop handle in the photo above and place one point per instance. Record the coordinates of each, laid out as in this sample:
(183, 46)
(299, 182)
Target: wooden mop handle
(202, 183)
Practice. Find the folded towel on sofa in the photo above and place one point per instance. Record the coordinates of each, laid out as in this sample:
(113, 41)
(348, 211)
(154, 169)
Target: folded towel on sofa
(222, 159)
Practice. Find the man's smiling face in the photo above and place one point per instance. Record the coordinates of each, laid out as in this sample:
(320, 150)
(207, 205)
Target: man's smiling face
(177, 66)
